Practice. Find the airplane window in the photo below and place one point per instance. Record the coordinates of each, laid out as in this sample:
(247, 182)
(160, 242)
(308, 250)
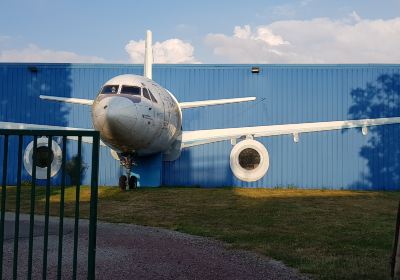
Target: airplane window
(110, 89)
(130, 90)
(146, 94)
(152, 97)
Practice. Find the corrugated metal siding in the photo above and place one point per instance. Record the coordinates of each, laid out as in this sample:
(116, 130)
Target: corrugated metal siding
(285, 94)
(293, 94)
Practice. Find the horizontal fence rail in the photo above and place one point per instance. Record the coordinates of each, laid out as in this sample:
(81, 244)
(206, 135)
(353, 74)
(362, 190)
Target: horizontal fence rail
(8, 136)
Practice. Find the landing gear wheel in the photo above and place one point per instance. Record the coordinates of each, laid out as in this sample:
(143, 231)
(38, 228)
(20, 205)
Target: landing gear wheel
(122, 182)
(132, 182)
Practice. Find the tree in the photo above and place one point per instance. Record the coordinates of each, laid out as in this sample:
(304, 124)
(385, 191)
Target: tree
(75, 169)
(380, 100)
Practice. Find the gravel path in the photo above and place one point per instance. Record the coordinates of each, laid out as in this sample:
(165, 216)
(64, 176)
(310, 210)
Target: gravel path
(137, 252)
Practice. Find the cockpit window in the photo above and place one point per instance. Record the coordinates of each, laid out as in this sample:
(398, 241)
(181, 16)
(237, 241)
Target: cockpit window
(152, 97)
(146, 94)
(110, 89)
(131, 90)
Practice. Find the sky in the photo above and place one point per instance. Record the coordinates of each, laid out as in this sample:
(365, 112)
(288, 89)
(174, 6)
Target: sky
(207, 31)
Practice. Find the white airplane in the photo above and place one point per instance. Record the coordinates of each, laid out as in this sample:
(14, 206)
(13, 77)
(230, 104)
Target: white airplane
(137, 117)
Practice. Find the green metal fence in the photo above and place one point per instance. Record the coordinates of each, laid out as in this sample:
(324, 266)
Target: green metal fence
(6, 134)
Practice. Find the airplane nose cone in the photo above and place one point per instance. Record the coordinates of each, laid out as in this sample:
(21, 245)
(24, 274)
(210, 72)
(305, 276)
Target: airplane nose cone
(119, 113)
(115, 118)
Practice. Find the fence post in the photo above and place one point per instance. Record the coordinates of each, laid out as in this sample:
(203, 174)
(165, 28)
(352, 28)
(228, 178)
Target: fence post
(3, 201)
(395, 265)
(93, 208)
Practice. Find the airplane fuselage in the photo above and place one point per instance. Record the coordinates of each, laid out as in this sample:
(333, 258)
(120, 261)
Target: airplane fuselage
(136, 115)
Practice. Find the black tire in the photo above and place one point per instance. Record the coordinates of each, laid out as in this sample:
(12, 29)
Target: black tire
(122, 182)
(132, 182)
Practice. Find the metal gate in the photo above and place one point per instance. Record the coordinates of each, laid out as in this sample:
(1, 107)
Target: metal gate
(17, 137)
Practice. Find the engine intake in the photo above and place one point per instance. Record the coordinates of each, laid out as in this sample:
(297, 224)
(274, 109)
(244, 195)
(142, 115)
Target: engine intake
(42, 160)
(249, 160)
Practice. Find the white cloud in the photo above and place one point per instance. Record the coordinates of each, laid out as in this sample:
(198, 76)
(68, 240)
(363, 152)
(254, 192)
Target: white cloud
(319, 40)
(261, 34)
(169, 51)
(354, 16)
(33, 53)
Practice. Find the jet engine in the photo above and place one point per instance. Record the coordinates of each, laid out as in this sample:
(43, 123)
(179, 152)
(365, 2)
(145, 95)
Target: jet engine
(249, 160)
(42, 160)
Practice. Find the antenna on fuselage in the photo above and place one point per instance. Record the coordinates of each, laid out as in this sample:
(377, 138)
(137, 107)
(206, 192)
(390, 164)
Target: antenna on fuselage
(148, 56)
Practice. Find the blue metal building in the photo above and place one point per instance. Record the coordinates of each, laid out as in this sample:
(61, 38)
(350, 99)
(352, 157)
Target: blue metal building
(285, 94)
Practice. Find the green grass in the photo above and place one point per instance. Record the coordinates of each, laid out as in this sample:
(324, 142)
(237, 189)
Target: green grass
(328, 234)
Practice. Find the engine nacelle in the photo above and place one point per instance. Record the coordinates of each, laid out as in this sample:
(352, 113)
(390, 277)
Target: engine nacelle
(42, 161)
(249, 160)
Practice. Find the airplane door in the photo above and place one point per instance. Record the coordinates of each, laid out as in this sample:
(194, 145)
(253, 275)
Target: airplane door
(167, 107)
(163, 110)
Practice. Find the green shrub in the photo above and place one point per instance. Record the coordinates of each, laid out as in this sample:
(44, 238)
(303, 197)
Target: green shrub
(75, 169)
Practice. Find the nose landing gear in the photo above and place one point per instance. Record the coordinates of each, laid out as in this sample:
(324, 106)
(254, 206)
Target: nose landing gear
(127, 182)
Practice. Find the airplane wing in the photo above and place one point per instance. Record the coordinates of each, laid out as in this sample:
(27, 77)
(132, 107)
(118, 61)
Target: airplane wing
(80, 101)
(195, 104)
(12, 125)
(201, 137)
(183, 105)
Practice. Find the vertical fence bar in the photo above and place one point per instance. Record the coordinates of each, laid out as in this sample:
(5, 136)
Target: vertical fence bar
(32, 213)
(394, 266)
(47, 210)
(17, 208)
(61, 223)
(3, 201)
(77, 195)
(93, 208)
